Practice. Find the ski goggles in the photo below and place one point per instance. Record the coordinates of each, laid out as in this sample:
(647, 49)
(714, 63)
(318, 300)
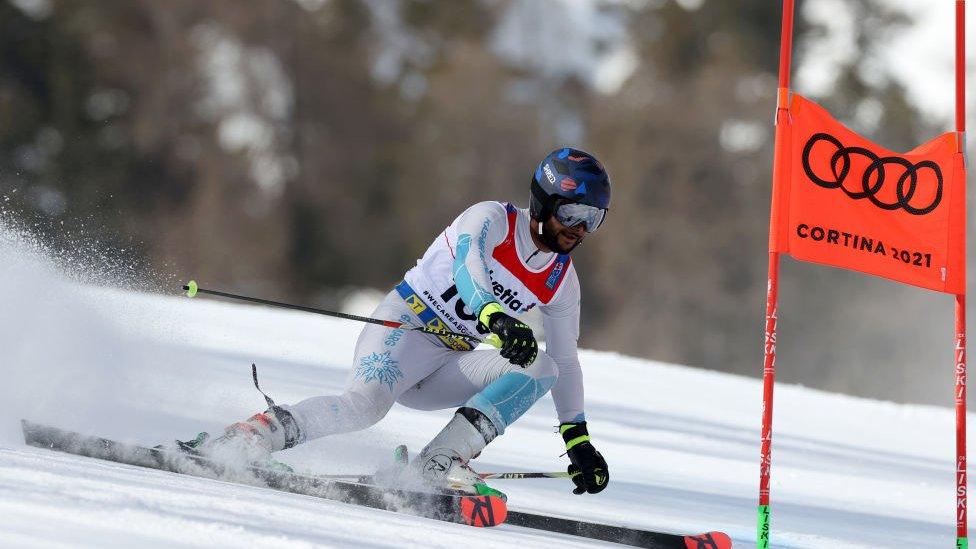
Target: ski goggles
(572, 214)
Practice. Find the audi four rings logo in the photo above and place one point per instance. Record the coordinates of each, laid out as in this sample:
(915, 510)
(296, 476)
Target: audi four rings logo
(875, 177)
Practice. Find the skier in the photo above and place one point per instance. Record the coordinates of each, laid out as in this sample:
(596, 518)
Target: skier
(492, 264)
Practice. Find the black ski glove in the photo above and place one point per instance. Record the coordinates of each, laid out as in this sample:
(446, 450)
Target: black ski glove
(518, 341)
(589, 470)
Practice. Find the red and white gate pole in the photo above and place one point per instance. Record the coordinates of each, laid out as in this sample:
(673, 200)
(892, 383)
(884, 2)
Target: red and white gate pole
(772, 288)
(962, 541)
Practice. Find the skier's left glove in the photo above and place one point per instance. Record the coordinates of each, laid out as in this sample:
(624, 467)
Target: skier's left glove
(588, 470)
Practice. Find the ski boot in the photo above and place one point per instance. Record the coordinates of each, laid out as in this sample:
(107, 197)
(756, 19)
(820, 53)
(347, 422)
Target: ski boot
(443, 463)
(250, 442)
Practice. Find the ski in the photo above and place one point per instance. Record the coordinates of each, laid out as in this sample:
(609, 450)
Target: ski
(620, 534)
(604, 532)
(592, 530)
(480, 511)
(356, 489)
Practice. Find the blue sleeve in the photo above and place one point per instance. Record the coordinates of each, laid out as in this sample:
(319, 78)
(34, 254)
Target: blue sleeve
(480, 228)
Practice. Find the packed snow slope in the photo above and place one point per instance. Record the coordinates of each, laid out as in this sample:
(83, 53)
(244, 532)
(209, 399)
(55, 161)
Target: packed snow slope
(682, 443)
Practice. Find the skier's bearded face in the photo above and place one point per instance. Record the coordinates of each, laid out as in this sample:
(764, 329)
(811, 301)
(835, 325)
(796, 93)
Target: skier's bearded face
(564, 239)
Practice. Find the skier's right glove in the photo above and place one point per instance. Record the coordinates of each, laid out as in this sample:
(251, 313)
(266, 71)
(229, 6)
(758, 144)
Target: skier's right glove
(518, 341)
(588, 470)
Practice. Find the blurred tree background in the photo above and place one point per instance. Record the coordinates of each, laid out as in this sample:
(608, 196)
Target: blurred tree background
(293, 149)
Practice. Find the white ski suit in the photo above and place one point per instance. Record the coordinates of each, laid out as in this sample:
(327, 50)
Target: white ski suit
(487, 254)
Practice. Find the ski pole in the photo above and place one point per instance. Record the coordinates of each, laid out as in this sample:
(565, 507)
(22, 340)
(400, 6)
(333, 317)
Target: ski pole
(192, 289)
(517, 476)
(484, 476)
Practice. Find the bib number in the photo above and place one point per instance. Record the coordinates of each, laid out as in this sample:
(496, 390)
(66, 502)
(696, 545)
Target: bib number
(461, 309)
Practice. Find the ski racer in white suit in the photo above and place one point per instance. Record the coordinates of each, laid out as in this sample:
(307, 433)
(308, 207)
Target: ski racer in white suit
(493, 263)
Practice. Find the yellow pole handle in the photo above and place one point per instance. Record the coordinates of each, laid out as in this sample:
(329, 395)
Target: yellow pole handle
(494, 341)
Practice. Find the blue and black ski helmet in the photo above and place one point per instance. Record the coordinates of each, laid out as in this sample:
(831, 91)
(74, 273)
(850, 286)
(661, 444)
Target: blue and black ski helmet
(568, 175)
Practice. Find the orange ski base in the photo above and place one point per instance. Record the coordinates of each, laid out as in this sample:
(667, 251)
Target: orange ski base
(483, 511)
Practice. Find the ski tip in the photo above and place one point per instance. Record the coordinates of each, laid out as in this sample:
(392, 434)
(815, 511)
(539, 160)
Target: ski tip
(709, 540)
(483, 511)
(191, 288)
(401, 455)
